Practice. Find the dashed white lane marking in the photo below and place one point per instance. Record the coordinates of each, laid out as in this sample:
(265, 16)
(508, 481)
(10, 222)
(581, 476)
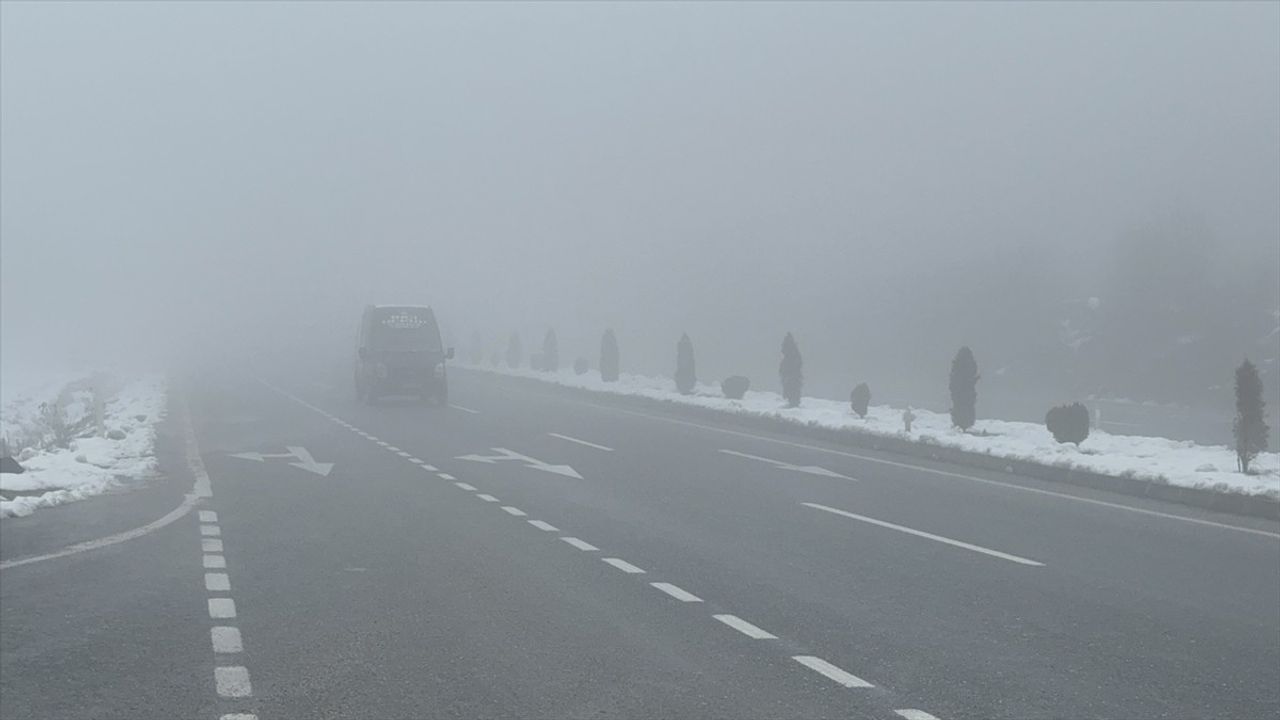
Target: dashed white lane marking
(221, 608)
(913, 714)
(929, 536)
(465, 410)
(403, 454)
(581, 442)
(226, 639)
(214, 562)
(444, 476)
(239, 716)
(580, 544)
(429, 468)
(514, 511)
(745, 627)
(208, 516)
(487, 498)
(211, 545)
(233, 681)
(416, 461)
(383, 443)
(544, 526)
(676, 592)
(211, 530)
(823, 667)
(623, 565)
(217, 582)
(465, 486)
(942, 473)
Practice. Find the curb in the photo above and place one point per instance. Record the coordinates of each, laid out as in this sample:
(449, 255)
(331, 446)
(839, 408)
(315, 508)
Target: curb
(1225, 502)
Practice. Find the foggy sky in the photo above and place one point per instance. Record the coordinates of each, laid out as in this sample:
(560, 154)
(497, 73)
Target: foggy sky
(188, 173)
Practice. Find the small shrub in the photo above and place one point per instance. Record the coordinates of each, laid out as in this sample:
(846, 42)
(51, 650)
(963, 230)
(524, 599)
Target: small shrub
(580, 366)
(735, 387)
(1068, 423)
(790, 371)
(609, 357)
(686, 378)
(860, 399)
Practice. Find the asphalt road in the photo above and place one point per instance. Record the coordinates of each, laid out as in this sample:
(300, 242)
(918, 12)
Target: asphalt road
(527, 553)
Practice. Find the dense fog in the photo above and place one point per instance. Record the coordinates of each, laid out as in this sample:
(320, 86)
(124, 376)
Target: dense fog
(1085, 194)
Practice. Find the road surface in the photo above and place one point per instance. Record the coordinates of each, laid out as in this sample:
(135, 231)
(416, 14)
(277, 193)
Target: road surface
(527, 553)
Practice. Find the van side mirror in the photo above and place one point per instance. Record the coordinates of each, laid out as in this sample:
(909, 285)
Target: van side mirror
(448, 354)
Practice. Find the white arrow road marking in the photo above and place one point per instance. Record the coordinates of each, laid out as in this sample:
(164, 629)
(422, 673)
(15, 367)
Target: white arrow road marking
(531, 463)
(302, 458)
(811, 469)
(930, 536)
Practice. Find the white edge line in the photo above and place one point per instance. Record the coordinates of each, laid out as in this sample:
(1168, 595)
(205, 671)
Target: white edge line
(581, 442)
(935, 471)
(927, 536)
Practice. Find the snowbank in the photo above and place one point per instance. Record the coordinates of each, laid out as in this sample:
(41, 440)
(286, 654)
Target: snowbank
(88, 464)
(1174, 462)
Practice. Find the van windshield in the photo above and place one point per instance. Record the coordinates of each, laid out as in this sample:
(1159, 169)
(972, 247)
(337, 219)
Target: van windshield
(404, 329)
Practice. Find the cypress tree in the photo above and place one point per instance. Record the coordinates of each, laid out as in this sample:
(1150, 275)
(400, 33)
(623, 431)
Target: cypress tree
(609, 357)
(1250, 424)
(964, 389)
(860, 399)
(686, 378)
(791, 372)
(550, 352)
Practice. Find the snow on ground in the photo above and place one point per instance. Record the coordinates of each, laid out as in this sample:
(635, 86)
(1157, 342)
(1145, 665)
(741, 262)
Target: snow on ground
(1175, 462)
(66, 459)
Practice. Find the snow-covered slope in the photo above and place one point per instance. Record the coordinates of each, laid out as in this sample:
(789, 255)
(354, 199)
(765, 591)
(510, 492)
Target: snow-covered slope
(1174, 462)
(89, 464)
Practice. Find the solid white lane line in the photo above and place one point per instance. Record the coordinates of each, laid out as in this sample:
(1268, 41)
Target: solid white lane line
(913, 714)
(929, 536)
(544, 526)
(676, 592)
(623, 565)
(581, 442)
(444, 476)
(233, 681)
(210, 544)
(220, 608)
(213, 562)
(226, 639)
(487, 498)
(208, 516)
(819, 665)
(465, 486)
(943, 473)
(210, 530)
(514, 511)
(217, 582)
(465, 410)
(745, 627)
(580, 544)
